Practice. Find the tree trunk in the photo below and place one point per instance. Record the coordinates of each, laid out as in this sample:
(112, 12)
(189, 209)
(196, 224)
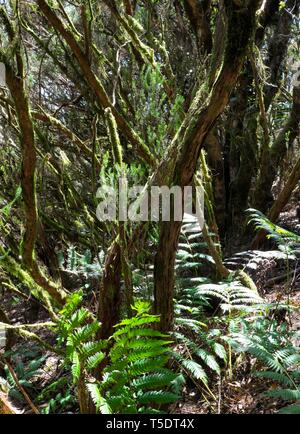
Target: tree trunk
(262, 195)
(199, 121)
(16, 84)
(110, 293)
(280, 202)
(198, 14)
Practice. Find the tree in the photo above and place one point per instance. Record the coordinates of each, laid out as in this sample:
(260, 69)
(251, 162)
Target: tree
(153, 90)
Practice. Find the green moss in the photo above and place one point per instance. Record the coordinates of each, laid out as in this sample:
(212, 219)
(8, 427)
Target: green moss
(114, 136)
(246, 280)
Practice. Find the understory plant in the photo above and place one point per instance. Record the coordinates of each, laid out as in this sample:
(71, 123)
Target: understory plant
(137, 379)
(276, 355)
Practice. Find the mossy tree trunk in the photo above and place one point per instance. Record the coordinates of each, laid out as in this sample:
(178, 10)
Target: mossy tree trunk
(15, 74)
(200, 119)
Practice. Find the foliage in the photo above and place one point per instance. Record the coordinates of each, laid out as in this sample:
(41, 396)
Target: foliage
(156, 118)
(77, 330)
(159, 93)
(81, 263)
(286, 241)
(59, 396)
(197, 352)
(277, 356)
(136, 379)
(28, 363)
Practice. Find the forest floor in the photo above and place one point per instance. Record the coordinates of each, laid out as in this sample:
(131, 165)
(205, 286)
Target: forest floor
(244, 394)
(240, 394)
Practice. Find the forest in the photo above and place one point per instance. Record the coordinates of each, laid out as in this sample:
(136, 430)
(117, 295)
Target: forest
(149, 207)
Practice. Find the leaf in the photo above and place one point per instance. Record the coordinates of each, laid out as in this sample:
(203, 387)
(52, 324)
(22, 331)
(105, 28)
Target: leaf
(195, 370)
(94, 360)
(220, 351)
(101, 404)
(290, 409)
(157, 397)
(75, 367)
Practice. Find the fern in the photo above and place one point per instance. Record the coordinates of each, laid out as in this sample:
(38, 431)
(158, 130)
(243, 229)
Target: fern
(76, 262)
(100, 403)
(136, 379)
(286, 241)
(77, 330)
(232, 294)
(272, 345)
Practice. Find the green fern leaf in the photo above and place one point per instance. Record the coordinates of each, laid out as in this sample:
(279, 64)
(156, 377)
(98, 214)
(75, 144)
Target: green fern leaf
(100, 403)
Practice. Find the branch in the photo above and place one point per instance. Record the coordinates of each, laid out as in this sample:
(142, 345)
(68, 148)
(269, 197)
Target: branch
(16, 84)
(21, 388)
(280, 202)
(95, 83)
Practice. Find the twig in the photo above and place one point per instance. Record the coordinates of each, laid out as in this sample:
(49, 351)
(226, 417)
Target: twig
(20, 387)
(26, 326)
(281, 277)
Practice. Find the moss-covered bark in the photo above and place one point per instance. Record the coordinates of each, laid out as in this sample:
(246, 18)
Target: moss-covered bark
(15, 81)
(273, 156)
(94, 83)
(199, 120)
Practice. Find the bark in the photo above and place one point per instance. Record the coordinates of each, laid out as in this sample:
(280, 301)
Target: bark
(275, 154)
(214, 251)
(16, 84)
(246, 142)
(286, 192)
(110, 297)
(28, 179)
(280, 202)
(198, 13)
(200, 119)
(117, 259)
(110, 288)
(128, 7)
(244, 145)
(94, 83)
(277, 51)
(219, 40)
(240, 155)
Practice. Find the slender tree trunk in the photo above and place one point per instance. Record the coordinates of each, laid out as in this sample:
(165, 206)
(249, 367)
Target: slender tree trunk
(214, 150)
(110, 294)
(280, 202)
(270, 162)
(16, 84)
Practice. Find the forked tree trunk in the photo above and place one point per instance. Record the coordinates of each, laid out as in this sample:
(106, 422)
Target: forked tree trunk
(199, 121)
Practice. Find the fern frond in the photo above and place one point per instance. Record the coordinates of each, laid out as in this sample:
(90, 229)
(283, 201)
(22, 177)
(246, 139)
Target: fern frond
(157, 379)
(94, 360)
(157, 397)
(193, 368)
(75, 367)
(82, 334)
(285, 394)
(100, 403)
(290, 409)
(275, 376)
